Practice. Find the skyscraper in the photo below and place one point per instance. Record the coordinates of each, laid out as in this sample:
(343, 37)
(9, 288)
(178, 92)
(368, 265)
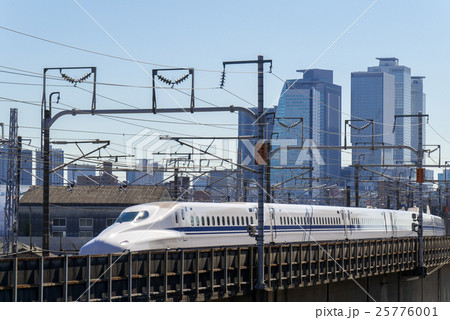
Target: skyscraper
(308, 114)
(56, 159)
(372, 104)
(402, 76)
(26, 165)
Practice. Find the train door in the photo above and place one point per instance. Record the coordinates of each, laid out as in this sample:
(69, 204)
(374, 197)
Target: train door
(393, 220)
(309, 213)
(181, 217)
(386, 222)
(345, 216)
(273, 227)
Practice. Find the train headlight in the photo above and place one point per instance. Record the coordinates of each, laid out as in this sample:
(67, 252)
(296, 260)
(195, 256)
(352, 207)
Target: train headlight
(124, 242)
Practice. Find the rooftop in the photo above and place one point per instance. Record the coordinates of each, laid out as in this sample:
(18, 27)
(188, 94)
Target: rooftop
(97, 195)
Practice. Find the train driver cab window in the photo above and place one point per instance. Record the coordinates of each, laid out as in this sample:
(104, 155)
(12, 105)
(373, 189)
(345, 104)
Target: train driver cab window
(132, 216)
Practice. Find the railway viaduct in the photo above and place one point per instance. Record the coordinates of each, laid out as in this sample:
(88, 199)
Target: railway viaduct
(360, 270)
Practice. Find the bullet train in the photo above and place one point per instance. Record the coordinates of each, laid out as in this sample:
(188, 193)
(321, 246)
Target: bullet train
(163, 225)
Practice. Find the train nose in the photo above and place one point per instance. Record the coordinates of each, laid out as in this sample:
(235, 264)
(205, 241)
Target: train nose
(96, 246)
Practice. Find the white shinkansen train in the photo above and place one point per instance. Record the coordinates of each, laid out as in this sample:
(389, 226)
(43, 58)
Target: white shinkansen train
(163, 225)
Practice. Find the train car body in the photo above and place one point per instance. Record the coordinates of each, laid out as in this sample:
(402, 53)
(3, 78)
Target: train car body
(163, 225)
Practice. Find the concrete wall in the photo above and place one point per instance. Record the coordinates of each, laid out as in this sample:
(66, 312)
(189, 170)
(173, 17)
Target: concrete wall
(395, 287)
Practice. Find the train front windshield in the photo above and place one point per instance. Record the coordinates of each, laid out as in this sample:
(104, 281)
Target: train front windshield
(132, 216)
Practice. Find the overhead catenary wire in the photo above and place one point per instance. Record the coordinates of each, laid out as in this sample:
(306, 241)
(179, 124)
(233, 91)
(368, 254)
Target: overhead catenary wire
(106, 54)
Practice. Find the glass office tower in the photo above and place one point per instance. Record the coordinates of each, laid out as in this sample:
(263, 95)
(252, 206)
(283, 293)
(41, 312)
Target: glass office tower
(308, 115)
(402, 76)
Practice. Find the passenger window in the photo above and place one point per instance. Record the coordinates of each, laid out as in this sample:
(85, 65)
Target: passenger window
(218, 221)
(281, 220)
(232, 220)
(228, 221)
(203, 221)
(237, 220)
(198, 221)
(213, 221)
(207, 221)
(223, 221)
(242, 221)
(251, 220)
(182, 214)
(246, 220)
(192, 221)
(176, 217)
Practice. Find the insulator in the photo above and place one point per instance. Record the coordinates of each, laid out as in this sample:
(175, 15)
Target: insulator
(165, 80)
(222, 79)
(182, 79)
(72, 80)
(85, 77)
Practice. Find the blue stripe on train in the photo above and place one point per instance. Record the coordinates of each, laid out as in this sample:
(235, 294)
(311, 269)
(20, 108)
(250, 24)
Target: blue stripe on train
(243, 229)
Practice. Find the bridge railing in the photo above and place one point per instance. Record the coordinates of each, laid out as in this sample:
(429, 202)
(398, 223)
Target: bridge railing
(208, 273)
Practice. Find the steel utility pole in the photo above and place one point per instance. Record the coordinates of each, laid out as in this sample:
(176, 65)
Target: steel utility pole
(260, 122)
(260, 240)
(422, 269)
(12, 186)
(420, 177)
(47, 115)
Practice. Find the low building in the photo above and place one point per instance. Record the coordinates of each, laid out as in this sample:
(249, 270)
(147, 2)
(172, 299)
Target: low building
(82, 211)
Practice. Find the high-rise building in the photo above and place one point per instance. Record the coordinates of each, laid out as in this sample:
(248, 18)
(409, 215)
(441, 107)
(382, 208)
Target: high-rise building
(79, 170)
(418, 104)
(402, 76)
(223, 185)
(248, 127)
(26, 165)
(372, 104)
(56, 159)
(146, 174)
(105, 177)
(308, 115)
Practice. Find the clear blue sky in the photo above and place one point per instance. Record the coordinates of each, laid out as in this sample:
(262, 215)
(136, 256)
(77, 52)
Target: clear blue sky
(203, 34)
